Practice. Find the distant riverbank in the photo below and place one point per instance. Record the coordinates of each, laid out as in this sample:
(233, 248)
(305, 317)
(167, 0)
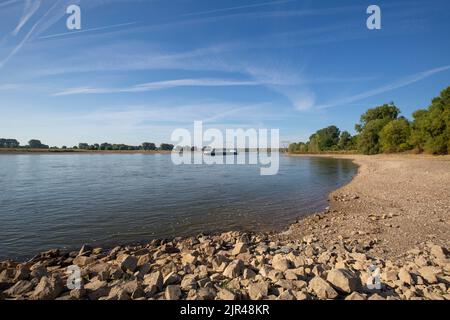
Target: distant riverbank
(78, 151)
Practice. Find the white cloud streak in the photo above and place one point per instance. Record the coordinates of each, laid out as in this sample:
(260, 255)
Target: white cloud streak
(392, 86)
(31, 6)
(159, 85)
(236, 8)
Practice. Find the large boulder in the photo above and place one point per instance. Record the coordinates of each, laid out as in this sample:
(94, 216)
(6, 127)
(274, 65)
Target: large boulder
(234, 269)
(344, 280)
(322, 289)
(48, 288)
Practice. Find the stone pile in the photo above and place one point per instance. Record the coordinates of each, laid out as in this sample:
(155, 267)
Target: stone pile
(230, 266)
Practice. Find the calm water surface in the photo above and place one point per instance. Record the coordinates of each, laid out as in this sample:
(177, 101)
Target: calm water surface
(65, 200)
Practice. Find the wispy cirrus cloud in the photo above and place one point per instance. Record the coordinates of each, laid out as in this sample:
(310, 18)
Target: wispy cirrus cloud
(227, 9)
(403, 82)
(159, 85)
(30, 8)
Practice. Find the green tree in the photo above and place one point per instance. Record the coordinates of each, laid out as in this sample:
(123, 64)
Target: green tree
(395, 136)
(371, 124)
(431, 127)
(148, 146)
(368, 141)
(166, 147)
(36, 144)
(83, 146)
(345, 141)
(9, 143)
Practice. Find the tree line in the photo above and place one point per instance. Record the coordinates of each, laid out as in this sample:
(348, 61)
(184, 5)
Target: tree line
(383, 130)
(36, 144)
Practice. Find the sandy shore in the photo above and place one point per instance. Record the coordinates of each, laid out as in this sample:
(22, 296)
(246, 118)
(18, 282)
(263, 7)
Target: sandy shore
(391, 220)
(399, 201)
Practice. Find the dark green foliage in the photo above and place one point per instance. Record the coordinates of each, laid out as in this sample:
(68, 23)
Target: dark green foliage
(36, 144)
(9, 143)
(148, 146)
(395, 136)
(431, 127)
(368, 140)
(166, 147)
(326, 139)
(345, 141)
(298, 147)
(386, 111)
(372, 122)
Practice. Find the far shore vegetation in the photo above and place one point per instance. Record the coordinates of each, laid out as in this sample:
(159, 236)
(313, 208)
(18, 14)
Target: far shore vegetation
(383, 130)
(35, 145)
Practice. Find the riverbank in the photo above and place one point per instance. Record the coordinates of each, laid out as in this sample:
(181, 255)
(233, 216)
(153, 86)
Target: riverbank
(77, 151)
(401, 200)
(394, 216)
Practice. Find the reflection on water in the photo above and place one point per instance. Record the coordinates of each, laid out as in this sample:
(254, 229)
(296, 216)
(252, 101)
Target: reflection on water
(49, 201)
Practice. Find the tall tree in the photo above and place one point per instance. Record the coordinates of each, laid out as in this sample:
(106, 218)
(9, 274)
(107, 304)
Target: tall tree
(371, 124)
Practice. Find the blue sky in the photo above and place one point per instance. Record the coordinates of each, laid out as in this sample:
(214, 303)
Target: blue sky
(139, 69)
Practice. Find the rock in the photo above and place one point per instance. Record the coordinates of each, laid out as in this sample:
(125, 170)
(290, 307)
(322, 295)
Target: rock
(85, 250)
(290, 275)
(22, 273)
(154, 281)
(128, 263)
(376, 296)
(389, 275)
(234, 269)
(171, 278)
(115, 273)
(188, 258)
(322, 288)
(405, 277)
(206, 294)
(355, 296)
(258, 290)
(240, 247)
(300, 295)
(38, 272)
(78, 293)
(172, 292)
(286, 295)
(83, 261)
(438, 251)
(344, 280)
(429, 274)
(20, 288)
(279, 262)
(248, 274)
(97, 289)
(118, 293)
(225, 294)
(48, 288)
(189, 282)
